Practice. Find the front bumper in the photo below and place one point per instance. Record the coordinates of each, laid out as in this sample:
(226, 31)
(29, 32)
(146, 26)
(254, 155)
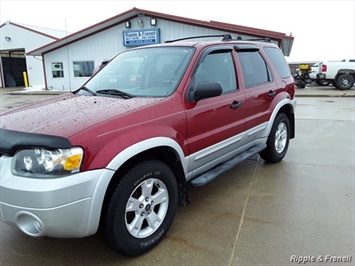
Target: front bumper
(66, 207)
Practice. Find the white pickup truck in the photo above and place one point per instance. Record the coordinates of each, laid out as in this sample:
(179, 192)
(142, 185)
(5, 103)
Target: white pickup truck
(340, 73)
(314, 74)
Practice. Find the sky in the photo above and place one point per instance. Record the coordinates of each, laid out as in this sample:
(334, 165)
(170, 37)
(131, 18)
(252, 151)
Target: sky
(323, 29)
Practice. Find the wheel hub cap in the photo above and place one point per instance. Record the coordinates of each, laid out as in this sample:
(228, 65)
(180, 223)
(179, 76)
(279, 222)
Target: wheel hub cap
(280, 137)
(146, 208)
(345, 82)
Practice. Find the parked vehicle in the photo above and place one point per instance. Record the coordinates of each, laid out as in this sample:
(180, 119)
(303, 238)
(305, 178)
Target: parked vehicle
(340, 73)
(299, 79)
(315, 72)
(302, 76)
(118, 155)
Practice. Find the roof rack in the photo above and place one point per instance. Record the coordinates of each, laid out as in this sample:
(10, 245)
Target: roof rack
(255, 40)
(225, 37)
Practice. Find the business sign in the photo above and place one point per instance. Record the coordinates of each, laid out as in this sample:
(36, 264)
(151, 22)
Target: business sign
(141, 37)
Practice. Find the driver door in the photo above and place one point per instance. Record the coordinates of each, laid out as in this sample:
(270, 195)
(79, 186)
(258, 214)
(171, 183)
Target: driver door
(214, 125)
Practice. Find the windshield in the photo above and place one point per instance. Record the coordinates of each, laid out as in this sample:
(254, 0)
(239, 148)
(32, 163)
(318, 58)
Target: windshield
(149, 72)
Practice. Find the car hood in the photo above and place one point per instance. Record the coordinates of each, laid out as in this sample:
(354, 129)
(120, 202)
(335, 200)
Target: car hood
(68, 114)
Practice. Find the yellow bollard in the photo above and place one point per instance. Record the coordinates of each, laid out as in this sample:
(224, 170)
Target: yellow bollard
(25, 79)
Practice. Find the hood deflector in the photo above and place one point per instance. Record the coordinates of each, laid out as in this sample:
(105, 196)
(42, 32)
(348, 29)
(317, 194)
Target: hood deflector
(11, 141)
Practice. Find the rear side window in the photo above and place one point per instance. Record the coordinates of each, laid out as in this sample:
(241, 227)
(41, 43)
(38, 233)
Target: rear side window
(254, 68)
(279, 62)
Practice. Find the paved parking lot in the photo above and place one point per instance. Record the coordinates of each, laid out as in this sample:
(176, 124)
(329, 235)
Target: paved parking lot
(301, 209)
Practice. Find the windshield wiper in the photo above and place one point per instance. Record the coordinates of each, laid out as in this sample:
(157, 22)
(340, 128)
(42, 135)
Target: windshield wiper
(115, 93)
(86, 89)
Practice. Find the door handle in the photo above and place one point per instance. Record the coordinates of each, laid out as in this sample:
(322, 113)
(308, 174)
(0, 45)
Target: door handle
(271, 93)
(235, 105)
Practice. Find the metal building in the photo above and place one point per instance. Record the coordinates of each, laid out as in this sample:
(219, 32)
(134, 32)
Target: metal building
(70, 61)
(15, 41)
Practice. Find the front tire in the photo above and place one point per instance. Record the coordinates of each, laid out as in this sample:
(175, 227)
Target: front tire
(278, 140)
(141, 209)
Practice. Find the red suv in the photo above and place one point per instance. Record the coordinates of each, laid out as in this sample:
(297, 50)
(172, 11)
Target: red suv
(118, 155)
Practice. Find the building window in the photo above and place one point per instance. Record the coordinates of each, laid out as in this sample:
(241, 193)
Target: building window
(83, 68)
(13, 53)
(57, 70)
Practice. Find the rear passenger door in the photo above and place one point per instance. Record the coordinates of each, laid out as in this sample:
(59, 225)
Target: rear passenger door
(213, 124)
(259, 85)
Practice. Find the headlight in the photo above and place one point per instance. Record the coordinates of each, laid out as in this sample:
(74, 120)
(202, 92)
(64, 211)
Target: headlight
(43, 163)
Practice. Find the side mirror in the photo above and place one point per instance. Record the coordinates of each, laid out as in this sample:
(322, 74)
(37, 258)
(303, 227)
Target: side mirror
(207, 90)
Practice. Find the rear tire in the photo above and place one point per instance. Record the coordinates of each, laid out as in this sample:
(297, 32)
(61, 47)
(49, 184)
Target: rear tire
(345, 82)
(278, 140)
(141, 209)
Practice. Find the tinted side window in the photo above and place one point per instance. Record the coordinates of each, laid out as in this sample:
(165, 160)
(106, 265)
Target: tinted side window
(254, 68)
(218, 67)
(279, 61)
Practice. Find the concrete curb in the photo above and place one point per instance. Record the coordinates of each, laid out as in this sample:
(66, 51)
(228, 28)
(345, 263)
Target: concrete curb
(320, 92)
(325, 95)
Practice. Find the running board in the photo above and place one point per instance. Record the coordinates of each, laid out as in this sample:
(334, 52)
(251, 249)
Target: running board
(213, 173)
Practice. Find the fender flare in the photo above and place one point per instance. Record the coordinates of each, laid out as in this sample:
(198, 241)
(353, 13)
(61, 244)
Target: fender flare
(345, 71)
(277, 108)
(144, 145)
(108, 173)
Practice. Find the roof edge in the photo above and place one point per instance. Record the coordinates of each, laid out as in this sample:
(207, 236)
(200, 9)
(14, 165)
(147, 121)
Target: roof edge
(29, 29)
(136, 11)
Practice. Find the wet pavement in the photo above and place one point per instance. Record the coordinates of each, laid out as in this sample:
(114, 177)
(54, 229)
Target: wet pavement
(16, 97)
(299, 210)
